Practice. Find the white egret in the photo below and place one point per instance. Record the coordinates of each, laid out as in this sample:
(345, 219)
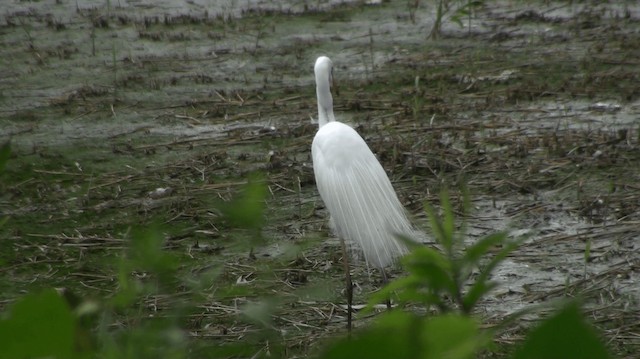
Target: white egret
(356, 190)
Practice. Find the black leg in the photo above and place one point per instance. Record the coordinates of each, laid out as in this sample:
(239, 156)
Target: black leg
(349, 293)
(385, 281)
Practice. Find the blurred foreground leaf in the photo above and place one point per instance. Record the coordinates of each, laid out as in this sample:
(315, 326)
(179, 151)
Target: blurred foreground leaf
(38, 325)
(453, 336)
(564, 335)
(147, 252)
(5, 153)
(246, 210)
(401, 335)
(391, 337)
(453, 278)
(259, 312)
(483, 283)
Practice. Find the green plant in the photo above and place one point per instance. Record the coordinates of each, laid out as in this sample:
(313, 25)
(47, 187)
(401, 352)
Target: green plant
(63, 325)
(5, 153)
(246, 211)
(458, 9)
(443, 280)
(563, 335)
(38, 325)
(402, 335)
(127, 323)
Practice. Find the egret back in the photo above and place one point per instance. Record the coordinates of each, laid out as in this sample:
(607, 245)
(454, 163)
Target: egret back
(355, 188)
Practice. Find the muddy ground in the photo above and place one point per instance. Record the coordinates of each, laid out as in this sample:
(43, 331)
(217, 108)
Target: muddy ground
(534, 105)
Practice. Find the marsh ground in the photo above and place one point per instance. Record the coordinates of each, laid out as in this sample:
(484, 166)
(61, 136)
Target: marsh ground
(534, 105)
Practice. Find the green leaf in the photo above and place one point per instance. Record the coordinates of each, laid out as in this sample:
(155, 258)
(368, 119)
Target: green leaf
(432, 268)
(476, 251)
(128, 288)
(480, 286)
(456, 19)
(411, 289)
(260, 312)
(435, 278)
(39, 325)
(3, 221)
(247, 209)
(402, 285)
(426, 284)
(443, 227)
(564, 335)
(147, 252)
(452, 336)
(5, 153)
(401, 335)
(423, 254)
(477, 291)
(377, 343)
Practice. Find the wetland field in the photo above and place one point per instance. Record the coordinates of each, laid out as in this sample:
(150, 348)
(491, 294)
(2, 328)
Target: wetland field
(124, 115)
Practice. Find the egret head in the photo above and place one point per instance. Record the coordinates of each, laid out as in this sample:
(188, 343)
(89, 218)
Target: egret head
(324, 78)
(323, 67)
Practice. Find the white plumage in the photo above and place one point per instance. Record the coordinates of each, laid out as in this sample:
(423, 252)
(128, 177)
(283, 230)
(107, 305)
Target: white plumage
(355, 188)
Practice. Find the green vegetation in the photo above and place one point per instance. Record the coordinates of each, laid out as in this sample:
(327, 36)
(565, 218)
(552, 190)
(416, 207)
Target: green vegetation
(448, 285)
(456, 11)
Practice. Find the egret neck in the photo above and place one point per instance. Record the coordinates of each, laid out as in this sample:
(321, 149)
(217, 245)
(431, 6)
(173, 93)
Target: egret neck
(323, 72)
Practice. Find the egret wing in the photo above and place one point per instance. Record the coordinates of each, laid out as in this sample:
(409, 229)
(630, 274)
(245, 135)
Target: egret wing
(358, 194)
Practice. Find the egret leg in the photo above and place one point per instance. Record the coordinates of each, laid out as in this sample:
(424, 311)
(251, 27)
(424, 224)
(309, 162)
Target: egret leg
(385, 281)
(349, 292)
